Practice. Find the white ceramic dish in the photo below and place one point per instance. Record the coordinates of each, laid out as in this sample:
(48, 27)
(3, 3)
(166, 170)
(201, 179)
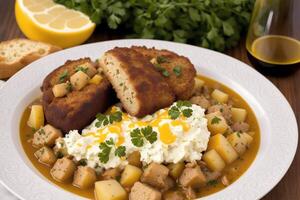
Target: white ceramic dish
(279, 134)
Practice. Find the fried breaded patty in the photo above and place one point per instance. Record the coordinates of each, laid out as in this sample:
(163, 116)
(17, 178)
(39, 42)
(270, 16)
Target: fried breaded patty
(141, 89)
(79, 108)
(182, 83)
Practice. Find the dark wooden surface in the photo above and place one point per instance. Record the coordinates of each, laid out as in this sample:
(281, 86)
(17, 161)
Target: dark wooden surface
(289, 85)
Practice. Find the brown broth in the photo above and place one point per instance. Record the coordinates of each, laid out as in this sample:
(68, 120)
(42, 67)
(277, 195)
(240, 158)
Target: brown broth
(232, 171)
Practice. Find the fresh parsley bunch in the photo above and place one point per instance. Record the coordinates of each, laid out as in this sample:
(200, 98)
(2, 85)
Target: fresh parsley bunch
(215, 24)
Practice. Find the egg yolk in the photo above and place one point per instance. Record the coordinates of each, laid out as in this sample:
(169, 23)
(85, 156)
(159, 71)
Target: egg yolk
(166, 135)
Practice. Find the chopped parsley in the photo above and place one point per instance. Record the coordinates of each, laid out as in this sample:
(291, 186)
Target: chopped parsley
(80, 68)
(180, 107)
(212, 183)
(161, 69)
(138, 135)
(104, 120)
(161, 59)
(120, 151)
(63, 76)
(215, 120)
(69, 87)
(238, 134)
(177, 70)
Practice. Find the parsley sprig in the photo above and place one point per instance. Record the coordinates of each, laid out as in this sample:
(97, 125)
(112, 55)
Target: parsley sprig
(104, 120)
(106, 148)
(138, 135)
(63, 76)
(181, 107)
(215, 120)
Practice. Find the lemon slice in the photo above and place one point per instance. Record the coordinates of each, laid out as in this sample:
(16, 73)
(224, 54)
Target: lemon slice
(46, 21)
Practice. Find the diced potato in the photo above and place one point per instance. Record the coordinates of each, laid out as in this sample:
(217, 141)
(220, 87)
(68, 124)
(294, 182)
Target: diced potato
(60, 90)
(89, 69)
(79, 80)
(109, 190)
(216, 123)
(63, 170)
(46, 156)
(251, 133)
(176, 169)
(84, 177)
(96, 79)
(223, 147)
(240, 141)
(213, 160)
(36, 119)
(46, 136)
(130, 175)
(135, 159)
(220, 96)
(238, 114)
(198, 84)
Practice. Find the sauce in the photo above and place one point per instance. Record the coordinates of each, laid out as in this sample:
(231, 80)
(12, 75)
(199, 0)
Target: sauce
(275, 50)
(232, 171)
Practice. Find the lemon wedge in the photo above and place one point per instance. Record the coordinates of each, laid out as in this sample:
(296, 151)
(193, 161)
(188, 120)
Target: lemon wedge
(46, 21)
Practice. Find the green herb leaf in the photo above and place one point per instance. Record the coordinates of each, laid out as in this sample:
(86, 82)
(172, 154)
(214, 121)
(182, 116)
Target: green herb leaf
(165, 73)
(212, 183)
(177, 70)
(187, 112)
(105, 151)
(161, 59)
(69, 87)
(174, 112)
(120, 151)
(137, 137)
(63, 76)
(215, 120)
(104, 120)
(149, 134)
(80, 68)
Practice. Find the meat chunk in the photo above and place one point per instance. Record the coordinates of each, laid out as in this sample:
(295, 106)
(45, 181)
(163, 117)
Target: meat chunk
(224, 109)
(155, 175)
(46, 136)
(182, 83)
(141, 89)
(169, 183)
(240, 127)
(111, 174)
(135, 159)
(173, 195)
(63, 169)
(141, 191)
(46, 156)
(189, 193)
(78, 108)
(192, 177)
(200, 101)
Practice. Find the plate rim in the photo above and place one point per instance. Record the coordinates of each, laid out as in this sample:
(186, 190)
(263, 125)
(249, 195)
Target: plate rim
(244, 66)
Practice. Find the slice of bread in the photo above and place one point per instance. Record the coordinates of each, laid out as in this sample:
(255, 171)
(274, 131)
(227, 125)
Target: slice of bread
(17, 53)
(141, 89)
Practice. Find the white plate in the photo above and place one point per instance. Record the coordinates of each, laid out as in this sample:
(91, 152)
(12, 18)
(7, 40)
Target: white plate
(279, 134)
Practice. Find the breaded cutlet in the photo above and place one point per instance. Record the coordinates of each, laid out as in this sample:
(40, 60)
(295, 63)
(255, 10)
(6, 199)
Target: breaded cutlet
(141, 89)
(78, 108)
(182, 80)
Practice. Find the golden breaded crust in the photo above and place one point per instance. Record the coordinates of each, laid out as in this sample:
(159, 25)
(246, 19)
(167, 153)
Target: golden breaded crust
(141, 89)
(79, 108)
(181, 85)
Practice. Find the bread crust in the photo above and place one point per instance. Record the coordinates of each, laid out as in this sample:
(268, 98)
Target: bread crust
(181, 85)
(151, 90)
(9, 69)
(79, 108)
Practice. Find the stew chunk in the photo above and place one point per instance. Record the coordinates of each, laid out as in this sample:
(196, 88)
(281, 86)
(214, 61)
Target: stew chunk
(84, 177)
(109, 190)
(46, 156)
(192, 177)
(155, 175)
(46, 136)
(130, 175)
(63, 169)
(141, 191)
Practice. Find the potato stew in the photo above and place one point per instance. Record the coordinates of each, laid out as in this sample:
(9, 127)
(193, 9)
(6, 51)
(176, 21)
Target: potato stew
(233, 144)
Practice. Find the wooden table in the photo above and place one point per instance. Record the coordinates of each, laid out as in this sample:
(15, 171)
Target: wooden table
(289, 85)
